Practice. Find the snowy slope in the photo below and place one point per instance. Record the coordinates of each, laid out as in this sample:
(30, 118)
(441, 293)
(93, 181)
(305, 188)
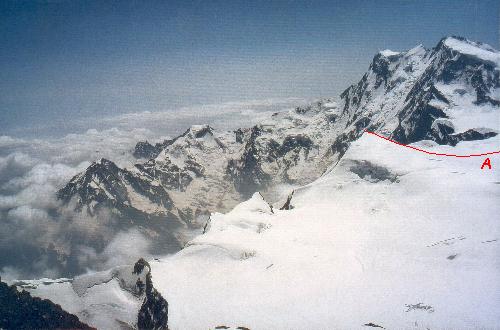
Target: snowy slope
(389, 236)
(107, 300)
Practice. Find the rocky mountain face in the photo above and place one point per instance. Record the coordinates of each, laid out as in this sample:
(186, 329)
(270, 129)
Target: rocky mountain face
(154, 309)
(19, 310)
(121, 298)
(412, 96)
(407, 96)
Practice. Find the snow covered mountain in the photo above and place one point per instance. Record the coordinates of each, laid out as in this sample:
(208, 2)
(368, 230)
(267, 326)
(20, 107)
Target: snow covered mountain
(18, 310)
(375, 235)
(120, 298)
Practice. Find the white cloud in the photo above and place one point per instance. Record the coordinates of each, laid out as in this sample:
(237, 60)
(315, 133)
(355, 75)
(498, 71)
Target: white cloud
(126, 247)
(9, 274)
(27, 214)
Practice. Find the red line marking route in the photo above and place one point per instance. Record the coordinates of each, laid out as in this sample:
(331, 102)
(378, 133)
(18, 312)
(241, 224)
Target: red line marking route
(430, 152)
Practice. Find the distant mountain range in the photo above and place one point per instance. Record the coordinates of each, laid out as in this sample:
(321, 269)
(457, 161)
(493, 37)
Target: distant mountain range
(408, 96)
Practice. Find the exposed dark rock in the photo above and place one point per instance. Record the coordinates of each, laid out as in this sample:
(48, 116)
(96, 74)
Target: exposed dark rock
(471, 135)
(419, 307)
(373, 325)
(302, 110)
(416, 119)
(441, 131)
(144, 149)
(342, 142)
(104, 178)
(203, 131)
(246, 172)
(19, 310)
(206, 228)
(139, 266)
(169, 174)
(268, 204)
(371, 172)
(154, 310)
(295, 143)
(239, 135)
(353, 94)
(332, 118)
(140, 286)
(288, 204)
(362, 123)
(380, 66)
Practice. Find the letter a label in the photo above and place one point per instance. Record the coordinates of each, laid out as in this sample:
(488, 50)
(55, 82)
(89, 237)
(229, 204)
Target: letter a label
(486, 162)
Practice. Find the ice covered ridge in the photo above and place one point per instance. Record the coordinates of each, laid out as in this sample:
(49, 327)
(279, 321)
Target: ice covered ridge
(482, 51)
(388, 52)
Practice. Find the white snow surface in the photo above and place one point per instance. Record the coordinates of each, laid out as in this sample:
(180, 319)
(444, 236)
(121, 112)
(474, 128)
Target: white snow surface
(482, 51)
(388, 52)
(105, 300)
(417, 250)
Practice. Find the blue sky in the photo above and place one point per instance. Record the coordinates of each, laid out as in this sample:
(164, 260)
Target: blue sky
(62, 60)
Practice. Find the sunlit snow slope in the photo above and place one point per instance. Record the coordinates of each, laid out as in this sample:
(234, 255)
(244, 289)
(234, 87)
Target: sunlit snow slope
(390, 237)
